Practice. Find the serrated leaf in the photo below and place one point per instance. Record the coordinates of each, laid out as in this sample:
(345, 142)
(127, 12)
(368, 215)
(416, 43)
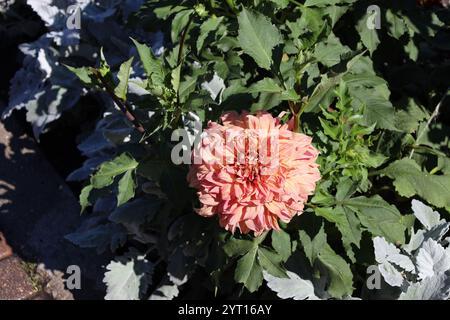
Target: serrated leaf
(101, 237)
(176, 78)
(111, 169)
(329, 52)
(378, 108)
(379, 217)
(248, 271)
(257, 37)
(408, 120)
(136, 212)
(180, 22)
(387, 252)
(265, 85)
(347, 223)
(410, 180)
(432, 259)
(425, 214)
(314, 246)
(323, 93)
(341, 277)
(325, 3)
(438, 231)
(290, 95)
(270, 262)
(363, 79)
(390, 274)
(84, 197)
(126, 188)
(434, 288)
(369, 37)
(383, 249)
(281, 242)
(152, 65)
(104, 69)
(397, 26)
(85, 74)
(207, 26)
(237, 247)
(329, 129)
(165, 291)
(123, 76)
(292, 287)
(128, 277)
(335, 12)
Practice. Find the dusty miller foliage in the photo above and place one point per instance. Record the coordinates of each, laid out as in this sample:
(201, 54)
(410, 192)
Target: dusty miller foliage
(368, 97)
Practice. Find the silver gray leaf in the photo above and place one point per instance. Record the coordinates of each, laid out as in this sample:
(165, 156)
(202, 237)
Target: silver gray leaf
(432, 259)
(383, 249)
(215, 87)
(128, 277)
(387, 252)
(390, 274)
(415, 242)
(425, 214)
(434, 288)
(293, 287)
(438, 230)
(166, 290)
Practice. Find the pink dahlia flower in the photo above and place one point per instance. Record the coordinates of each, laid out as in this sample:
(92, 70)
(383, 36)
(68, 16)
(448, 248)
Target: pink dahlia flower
(251, 170)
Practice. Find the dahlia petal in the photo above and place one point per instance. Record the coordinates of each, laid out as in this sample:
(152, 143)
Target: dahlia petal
(268, 174)
(206, 211)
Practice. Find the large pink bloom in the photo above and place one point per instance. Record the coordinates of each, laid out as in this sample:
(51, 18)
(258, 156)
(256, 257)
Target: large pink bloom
(253, 170)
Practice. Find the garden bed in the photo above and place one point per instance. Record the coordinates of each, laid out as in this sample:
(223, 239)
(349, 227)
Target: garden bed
(354, 91)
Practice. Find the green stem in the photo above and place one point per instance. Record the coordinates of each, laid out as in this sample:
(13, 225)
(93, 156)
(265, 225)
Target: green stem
(379, 140)
(301, 5)
(232, 6)
(374, 173)
(182, 41)
(432, 117)
(295, 110)
(123, 106)
(310, 205)
(297, 122)
(436, 169)
(180, 51)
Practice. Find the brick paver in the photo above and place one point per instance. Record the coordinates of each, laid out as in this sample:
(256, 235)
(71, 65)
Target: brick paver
(5, 249)
(15, 283)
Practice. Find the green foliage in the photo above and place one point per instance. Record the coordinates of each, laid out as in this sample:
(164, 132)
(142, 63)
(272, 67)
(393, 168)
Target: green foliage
(410, 180)
(258, 37)
(347, 144)
(123, 75)
(328, 263)
(254, 259)
(369, 113)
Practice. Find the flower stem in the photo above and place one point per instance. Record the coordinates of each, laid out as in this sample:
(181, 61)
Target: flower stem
(296, 3)
(432, 117)
(123, 106)
(297, 122)
(182, 40)
(232, 6)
